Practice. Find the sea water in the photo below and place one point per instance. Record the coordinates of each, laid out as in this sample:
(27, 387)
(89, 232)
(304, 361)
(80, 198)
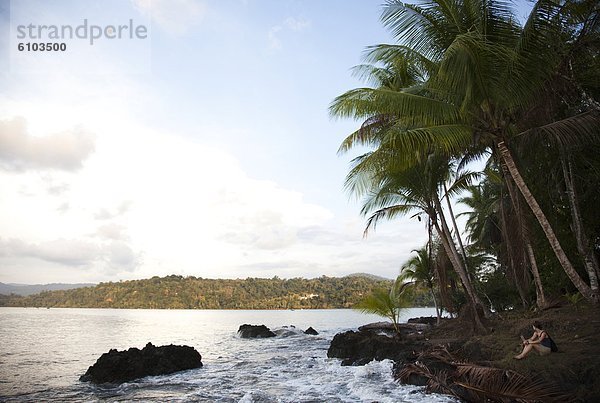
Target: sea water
(44, 351)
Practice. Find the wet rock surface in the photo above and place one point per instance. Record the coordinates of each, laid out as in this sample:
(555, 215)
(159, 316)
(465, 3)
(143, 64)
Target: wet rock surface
(359, 348)
(123, 366)
(255, 331)
(311, 331)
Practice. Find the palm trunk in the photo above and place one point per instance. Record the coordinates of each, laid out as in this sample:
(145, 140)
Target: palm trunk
(510, 252)
(460, 243)
(430, 260)
(462, 274)
(437, 308)
(583, 288)
(450, 248)
(589, 259)
(540, 299)
(455, 259)
(539, 289)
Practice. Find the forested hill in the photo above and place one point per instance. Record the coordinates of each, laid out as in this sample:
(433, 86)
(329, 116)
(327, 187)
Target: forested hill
(177, 292)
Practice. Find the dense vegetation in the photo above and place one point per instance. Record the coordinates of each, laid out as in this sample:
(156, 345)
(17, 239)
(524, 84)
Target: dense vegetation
(177, 292)
(466, 82)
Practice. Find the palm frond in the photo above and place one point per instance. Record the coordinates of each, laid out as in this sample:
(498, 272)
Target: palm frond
(502, 384)
(579, 129)
(363, 103)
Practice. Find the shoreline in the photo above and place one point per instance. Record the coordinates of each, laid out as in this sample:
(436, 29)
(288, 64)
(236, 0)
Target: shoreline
(452, 353)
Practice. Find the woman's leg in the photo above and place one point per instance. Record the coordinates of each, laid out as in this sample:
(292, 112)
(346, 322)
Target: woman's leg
(542, 350)
(526, 349)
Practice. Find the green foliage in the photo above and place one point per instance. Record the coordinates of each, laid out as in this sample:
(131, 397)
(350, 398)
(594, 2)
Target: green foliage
(386, 302)
(464, 80)
(501, 295)
(574, 298)
(177, 292)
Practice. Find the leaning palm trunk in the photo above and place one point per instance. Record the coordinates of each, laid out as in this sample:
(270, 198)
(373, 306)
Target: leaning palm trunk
(509, 244)
(523, 235)
(438, 313)
(458, 264)
(453, 219)
(539, 289)
(566, 264)
(459, 268)
(589, 259)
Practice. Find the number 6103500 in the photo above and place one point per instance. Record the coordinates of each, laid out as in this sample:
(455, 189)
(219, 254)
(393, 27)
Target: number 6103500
(42, 47)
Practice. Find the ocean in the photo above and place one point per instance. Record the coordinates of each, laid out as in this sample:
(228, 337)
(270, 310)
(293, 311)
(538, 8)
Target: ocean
(44, 351)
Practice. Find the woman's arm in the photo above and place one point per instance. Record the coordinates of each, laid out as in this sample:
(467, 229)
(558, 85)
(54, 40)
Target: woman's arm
(539, 339)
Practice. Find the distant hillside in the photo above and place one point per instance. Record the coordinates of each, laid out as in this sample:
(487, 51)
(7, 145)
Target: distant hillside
(369, 276)
(177, 292)
(28, 289)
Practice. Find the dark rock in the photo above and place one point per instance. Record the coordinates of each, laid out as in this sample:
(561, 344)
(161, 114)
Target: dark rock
(407, 330)
(122, 366)
(425, 320)
(378, 326)
(255, 331)
(311, 331)
(359, 348)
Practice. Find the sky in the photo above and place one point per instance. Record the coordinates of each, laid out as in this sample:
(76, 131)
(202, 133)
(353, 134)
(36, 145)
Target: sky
(202, 148)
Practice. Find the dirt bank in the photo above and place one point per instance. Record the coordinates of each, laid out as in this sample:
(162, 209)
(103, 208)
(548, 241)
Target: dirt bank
(575, 368)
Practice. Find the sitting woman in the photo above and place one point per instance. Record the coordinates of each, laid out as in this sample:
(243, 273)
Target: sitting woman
(540, 342)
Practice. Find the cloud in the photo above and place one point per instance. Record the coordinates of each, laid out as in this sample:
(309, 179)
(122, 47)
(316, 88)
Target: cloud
(106, 214)
(289, 24)
(20, 151)
(63, 208)
(296, 24)
(111, 257)
(57, 190)
(61, 251)
(173, 16)
(112, 231)
(120, 257)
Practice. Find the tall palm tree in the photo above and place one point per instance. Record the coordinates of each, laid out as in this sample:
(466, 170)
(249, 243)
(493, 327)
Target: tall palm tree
(390, 193)
(481, 89)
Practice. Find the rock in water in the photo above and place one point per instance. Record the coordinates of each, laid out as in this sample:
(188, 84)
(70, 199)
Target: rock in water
(359, 348)
(312, 331)
(255, 331)
(122, 366)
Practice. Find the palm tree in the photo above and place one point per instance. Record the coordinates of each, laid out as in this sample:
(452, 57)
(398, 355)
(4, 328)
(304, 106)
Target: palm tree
(390, 193)
(419, 269)
(387, 303)
(483, 87)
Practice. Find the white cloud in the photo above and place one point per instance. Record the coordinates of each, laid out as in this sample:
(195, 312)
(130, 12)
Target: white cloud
(174, 16)
(296, 24)
(61, 251)
(112, 231)
(110, 257)
(20, 151)
(274, 41)
(289, 24)
(107, 214)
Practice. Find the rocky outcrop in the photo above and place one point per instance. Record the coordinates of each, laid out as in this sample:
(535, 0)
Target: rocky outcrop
(359, 348)
(311, 331)
(255, 331)
(426, 320)
(413, 331)
(122, 366)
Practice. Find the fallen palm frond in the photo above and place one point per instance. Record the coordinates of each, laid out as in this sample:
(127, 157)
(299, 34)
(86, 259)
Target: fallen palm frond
(439, 353)
(505, 385)
(440, 372)
(436, 381)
